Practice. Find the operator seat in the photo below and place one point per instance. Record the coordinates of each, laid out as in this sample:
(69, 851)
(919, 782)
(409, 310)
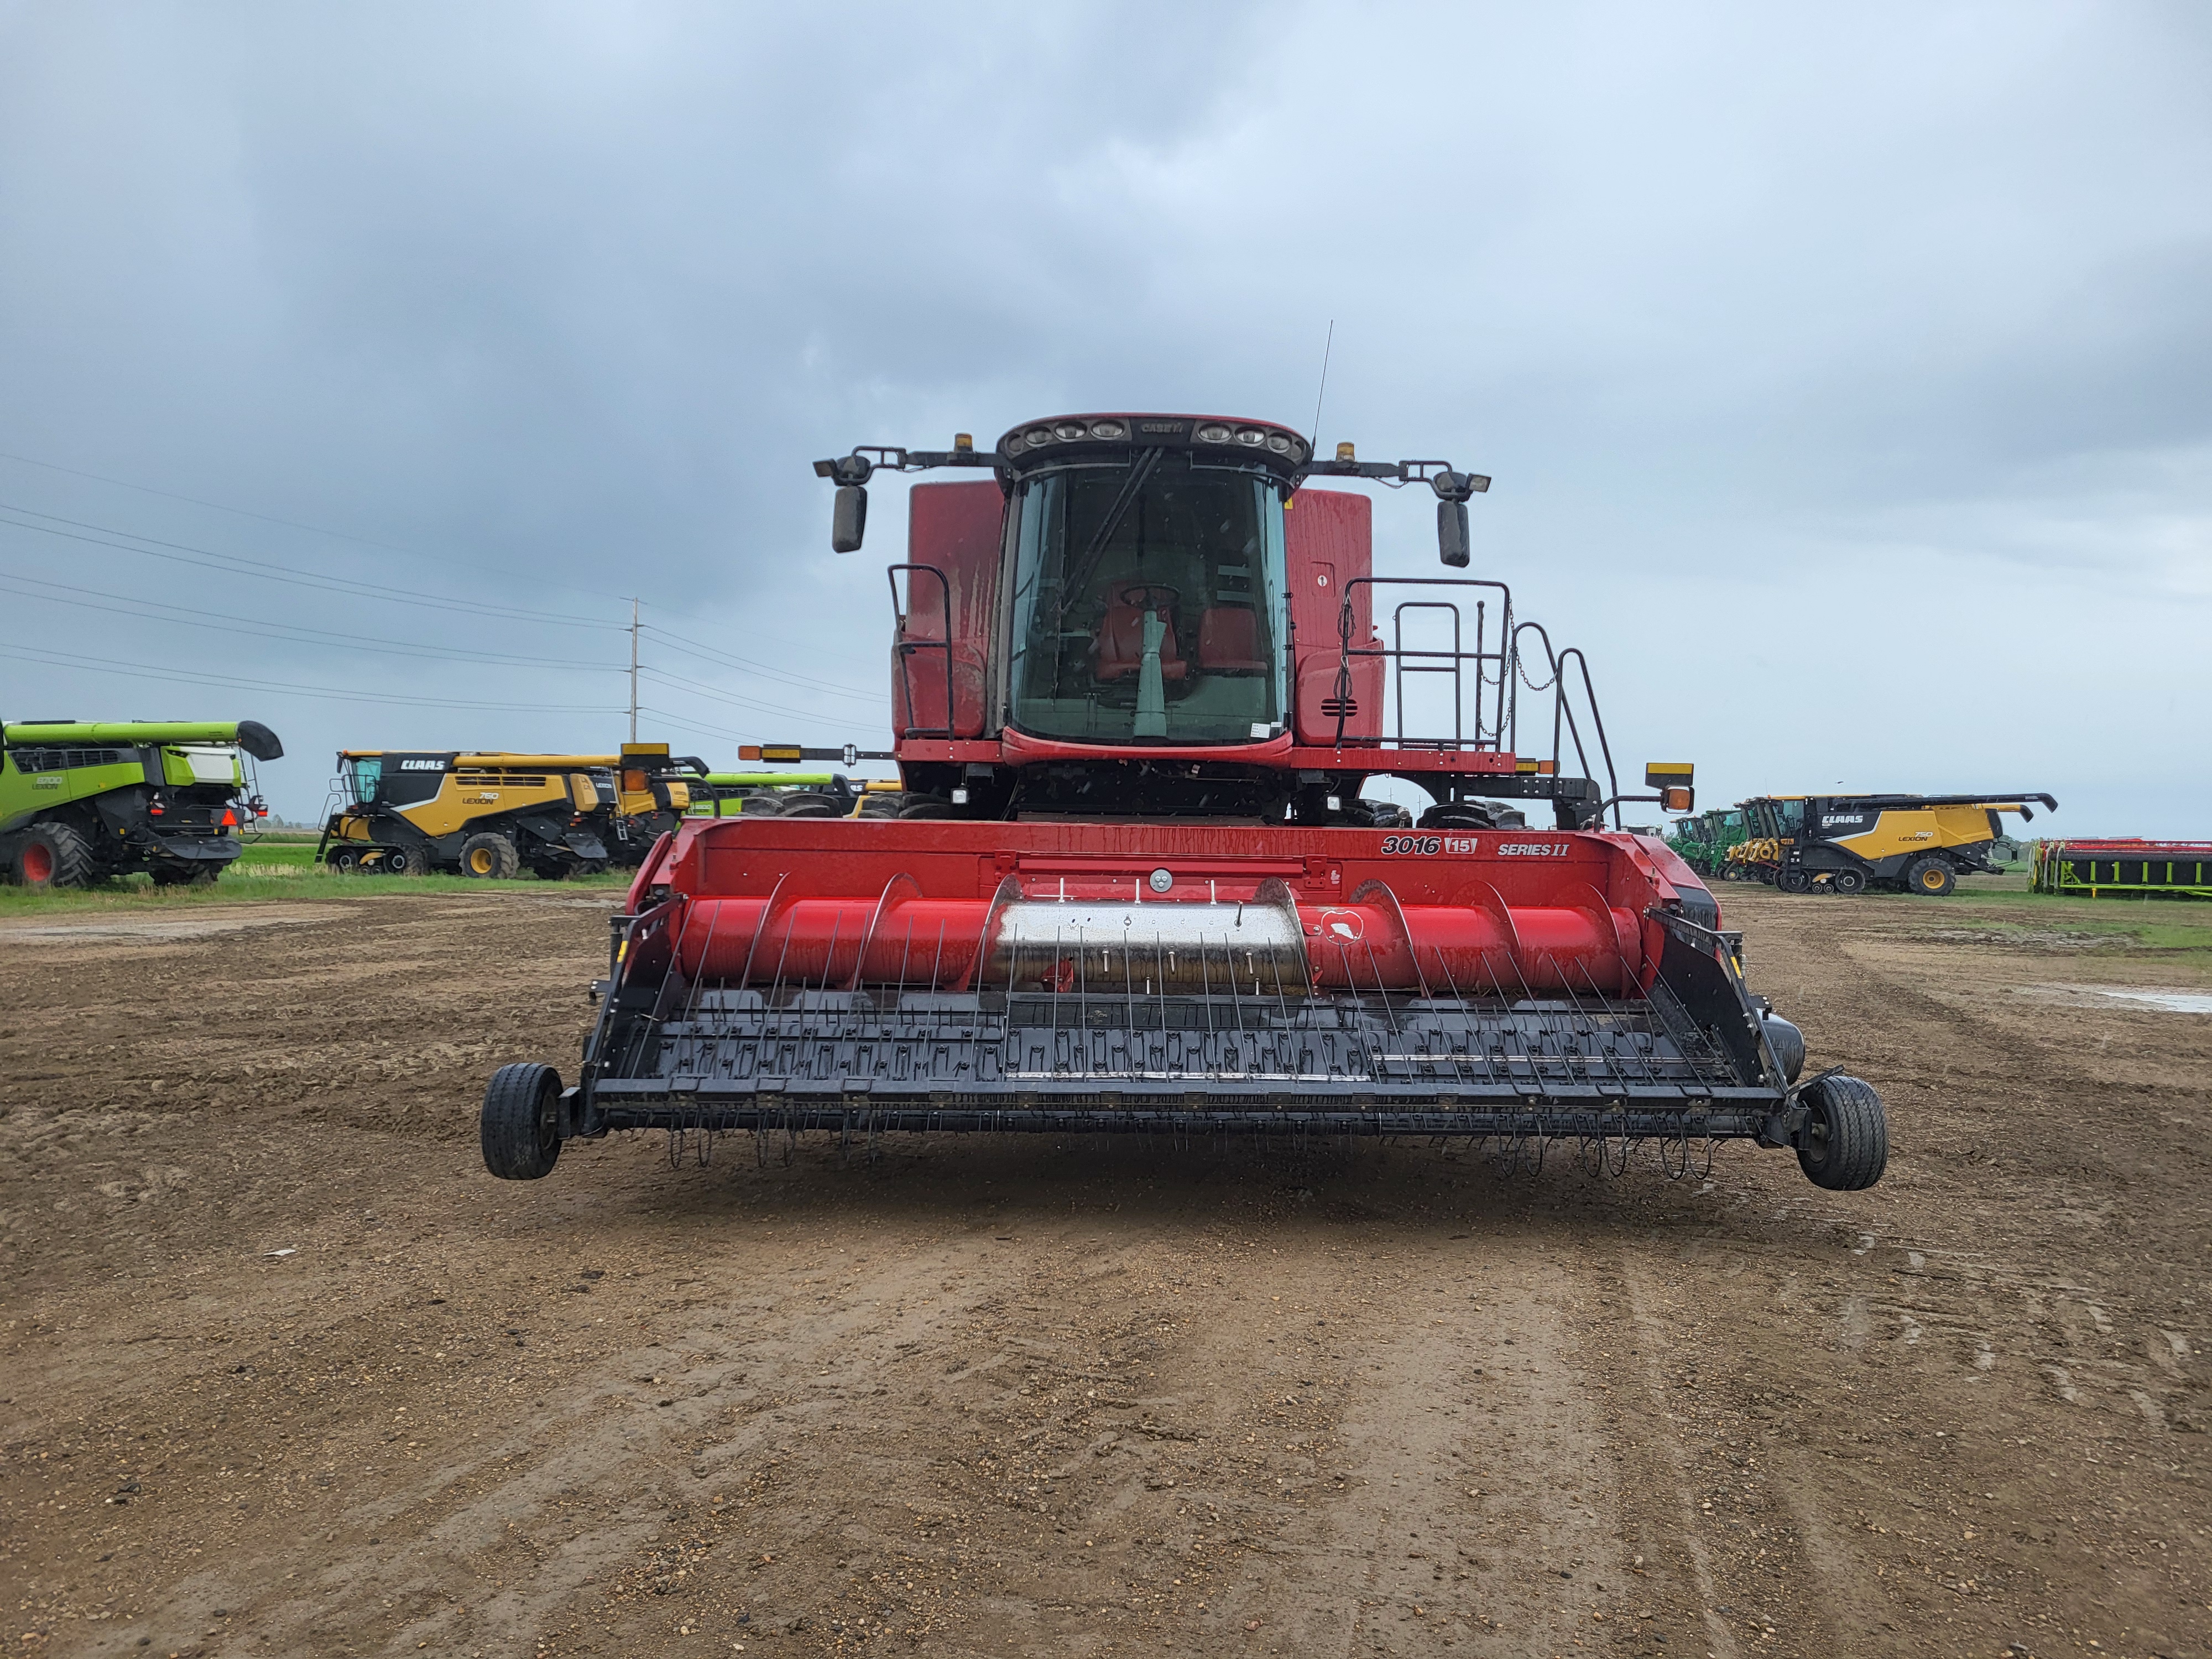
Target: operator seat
(1229, 640)
(1117, 652)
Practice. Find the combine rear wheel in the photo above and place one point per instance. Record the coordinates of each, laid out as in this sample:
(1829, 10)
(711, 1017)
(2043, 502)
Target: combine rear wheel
(522, 1122)
(489, 857)
(54, 855)
(1930, 876)
(1844, 1146)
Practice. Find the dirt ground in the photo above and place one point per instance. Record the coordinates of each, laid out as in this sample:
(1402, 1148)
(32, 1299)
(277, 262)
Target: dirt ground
(282, 1370)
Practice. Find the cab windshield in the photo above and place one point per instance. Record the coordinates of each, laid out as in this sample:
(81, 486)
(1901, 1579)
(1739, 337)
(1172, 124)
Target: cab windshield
(1149, 604)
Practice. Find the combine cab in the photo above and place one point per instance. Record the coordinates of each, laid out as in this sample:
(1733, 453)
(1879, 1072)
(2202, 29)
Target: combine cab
(1133, 883)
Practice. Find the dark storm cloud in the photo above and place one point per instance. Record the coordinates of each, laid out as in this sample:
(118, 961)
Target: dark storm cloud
(1876, 333)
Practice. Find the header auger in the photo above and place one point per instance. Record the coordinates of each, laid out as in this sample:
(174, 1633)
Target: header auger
(1132, 884)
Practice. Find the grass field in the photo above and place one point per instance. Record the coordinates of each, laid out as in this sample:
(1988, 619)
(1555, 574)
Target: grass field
(277, 868)
(2006, 904)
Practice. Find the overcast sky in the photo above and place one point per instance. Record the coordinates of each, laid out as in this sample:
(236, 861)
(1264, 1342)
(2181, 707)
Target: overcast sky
(1845, 374)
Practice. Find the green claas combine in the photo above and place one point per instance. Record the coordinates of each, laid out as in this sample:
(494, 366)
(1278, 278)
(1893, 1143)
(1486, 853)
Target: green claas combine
(82, 802)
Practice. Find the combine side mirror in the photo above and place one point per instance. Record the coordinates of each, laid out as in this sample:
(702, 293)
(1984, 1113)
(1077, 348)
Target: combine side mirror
(1452, 533)
(849, 519)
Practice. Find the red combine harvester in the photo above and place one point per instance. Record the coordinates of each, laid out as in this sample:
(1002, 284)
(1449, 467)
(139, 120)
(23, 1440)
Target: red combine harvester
(1132, 884)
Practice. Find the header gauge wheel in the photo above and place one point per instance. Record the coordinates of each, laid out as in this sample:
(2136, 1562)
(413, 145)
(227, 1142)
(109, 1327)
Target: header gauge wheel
(522, 1122)
(1844, 1146)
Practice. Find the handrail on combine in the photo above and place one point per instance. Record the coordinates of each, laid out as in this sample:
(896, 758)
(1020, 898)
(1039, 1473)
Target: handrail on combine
(1490, 725)
(1399, 669)
(1563, 712)
(906, 647)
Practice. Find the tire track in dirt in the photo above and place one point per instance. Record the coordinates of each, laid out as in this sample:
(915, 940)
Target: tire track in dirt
(988, 1397)
(1477, 1507)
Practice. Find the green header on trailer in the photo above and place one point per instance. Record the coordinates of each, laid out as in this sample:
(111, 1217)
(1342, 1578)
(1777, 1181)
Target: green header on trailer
(256, 739)
(770, 779)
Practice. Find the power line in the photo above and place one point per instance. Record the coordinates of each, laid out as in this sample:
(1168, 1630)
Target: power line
(696, 690)
(237, 565)
(108, 666)
(694, 725)
(289, 524)
(710, 653)
(256, 628)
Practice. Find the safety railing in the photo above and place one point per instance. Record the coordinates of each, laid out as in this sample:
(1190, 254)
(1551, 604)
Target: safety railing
(1566, 727)
(1481, 725)
(1490, 718)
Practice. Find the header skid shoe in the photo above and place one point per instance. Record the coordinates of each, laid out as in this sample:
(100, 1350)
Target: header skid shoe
(1517, 987)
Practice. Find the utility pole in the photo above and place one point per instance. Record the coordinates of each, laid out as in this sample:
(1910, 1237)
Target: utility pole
(633, 671)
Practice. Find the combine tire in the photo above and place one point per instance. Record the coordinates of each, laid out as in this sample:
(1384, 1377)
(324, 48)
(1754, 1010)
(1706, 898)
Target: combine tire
(1794, 881)
(1849, 881)
(1457, 815)
(346, 864)
(489, 857)
(186, 875)
(1929, 876)
(810, 806)
(401, 861)
(522, 1122)
(1844, 1146)
(925, 806)
(53, 855)
(763, 806)
(881, 805)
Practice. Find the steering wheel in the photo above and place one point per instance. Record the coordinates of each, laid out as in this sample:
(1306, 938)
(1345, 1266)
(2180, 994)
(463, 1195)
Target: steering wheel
(1139, 595)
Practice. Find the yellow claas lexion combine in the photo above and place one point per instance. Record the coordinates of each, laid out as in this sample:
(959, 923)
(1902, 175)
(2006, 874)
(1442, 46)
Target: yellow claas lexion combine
(493, 815)
(1849, 844)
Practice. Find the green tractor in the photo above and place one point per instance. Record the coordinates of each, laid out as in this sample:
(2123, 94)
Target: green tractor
(82, 802)
(1703, 843)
